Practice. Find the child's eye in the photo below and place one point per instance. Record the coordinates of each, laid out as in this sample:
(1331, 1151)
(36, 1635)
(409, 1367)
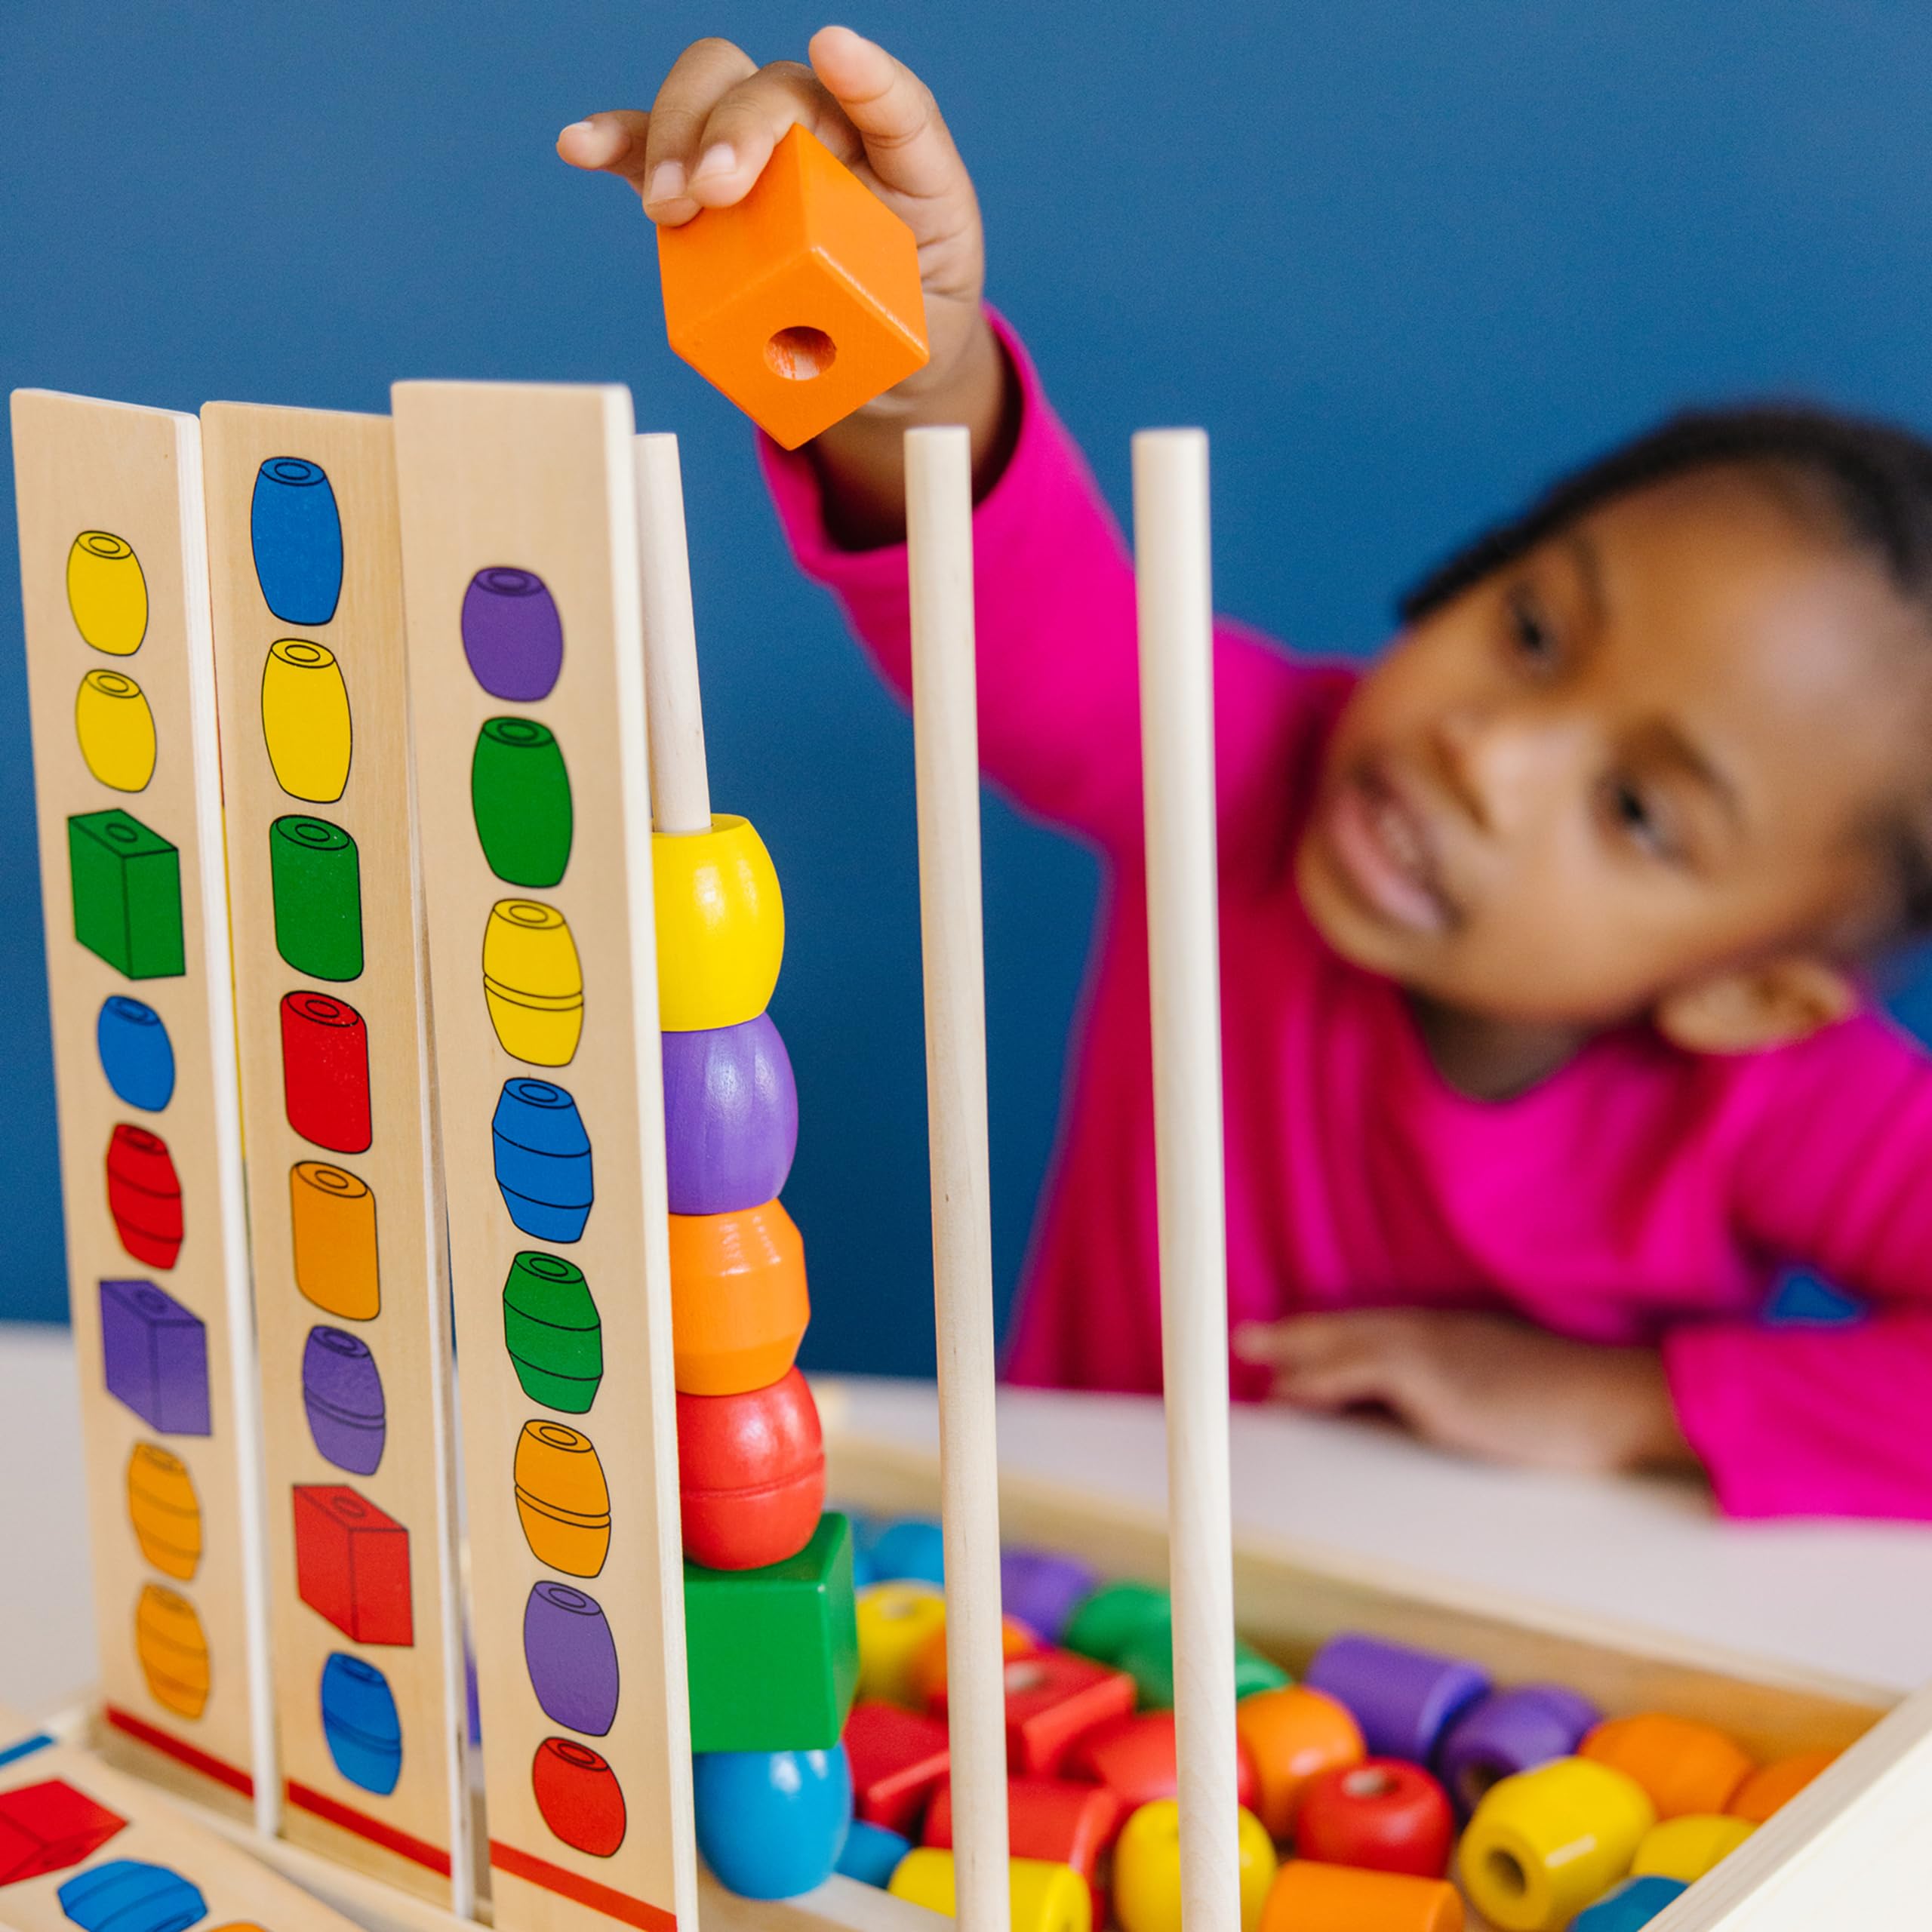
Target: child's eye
(1531, 635)
(1636, 815)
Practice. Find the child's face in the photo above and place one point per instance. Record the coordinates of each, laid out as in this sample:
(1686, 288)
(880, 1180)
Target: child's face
(1671, 743)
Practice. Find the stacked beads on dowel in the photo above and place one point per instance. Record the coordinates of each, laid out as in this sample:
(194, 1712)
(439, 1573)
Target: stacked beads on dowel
(1351, 1783)
(771, 1646)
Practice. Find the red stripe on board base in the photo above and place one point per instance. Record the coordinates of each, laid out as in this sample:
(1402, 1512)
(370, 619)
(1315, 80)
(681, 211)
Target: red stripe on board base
(584, 1891)
(419, 1851)
(144, 1732)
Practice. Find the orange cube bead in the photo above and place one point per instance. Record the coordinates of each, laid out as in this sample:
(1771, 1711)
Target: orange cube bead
(1684, 1766)
(802, 302)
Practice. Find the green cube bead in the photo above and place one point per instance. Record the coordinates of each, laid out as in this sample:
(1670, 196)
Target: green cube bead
(774, 1653)
(126, 887)
(1103, 1624)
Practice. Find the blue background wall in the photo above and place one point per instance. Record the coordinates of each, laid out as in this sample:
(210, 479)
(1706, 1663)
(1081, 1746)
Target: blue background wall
(1400, 259)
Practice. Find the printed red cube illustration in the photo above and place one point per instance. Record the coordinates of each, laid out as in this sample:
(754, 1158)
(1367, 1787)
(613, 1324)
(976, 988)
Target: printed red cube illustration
(48, 1827)
(351, 1564)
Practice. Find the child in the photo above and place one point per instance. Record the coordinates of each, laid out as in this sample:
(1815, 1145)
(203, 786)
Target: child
(1544, 1045)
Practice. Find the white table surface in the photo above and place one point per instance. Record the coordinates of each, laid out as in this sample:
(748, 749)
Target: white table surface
(1852, 1600)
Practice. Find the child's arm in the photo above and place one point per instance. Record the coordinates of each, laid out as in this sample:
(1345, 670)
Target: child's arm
(1833, 1175)
(704, 142)
(1058, 681)
(1483, 1385)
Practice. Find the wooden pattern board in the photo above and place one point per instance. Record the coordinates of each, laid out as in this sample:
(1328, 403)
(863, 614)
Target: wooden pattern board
(345, 1212)
(82, 1844)
(526, 707)
(114, 581)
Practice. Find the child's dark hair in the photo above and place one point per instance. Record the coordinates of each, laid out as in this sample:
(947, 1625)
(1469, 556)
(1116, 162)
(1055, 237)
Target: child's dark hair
(1875, 478)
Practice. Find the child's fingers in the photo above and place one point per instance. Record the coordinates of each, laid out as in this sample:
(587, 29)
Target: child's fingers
(612, 142)
(746, 122)
(1301, 1340)
(906, 140)
(703, 75)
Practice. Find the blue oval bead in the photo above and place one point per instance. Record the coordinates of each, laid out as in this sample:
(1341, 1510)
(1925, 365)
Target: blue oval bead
(772, 1824)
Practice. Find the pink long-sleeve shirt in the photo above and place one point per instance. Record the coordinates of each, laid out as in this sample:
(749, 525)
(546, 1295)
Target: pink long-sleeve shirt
(1640, 1194)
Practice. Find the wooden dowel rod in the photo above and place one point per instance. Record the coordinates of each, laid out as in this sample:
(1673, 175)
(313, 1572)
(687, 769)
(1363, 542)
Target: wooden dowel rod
(1177, 750)
(939, 519)
(680, 784)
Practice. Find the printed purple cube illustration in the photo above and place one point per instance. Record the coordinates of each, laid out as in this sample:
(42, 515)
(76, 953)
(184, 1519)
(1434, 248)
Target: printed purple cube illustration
(155, 1353)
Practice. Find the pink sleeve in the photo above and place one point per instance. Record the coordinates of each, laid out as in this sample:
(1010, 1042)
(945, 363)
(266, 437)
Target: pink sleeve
(1059, 706)
(1805, 1421)
(1830, 1176)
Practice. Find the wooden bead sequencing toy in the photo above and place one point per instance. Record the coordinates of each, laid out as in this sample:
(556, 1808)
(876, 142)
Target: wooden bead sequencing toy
(771, 1632)
(350, 1312)
(127, 782)
(590, 1822)
(525, 600)
(801, 303)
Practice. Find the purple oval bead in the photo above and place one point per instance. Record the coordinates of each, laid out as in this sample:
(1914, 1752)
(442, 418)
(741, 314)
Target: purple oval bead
(1403, 1699)
(1510, 1731)
(342, 1390)
(572, 1658)
(1041, 1588)
(511, 634)
(730, 1117)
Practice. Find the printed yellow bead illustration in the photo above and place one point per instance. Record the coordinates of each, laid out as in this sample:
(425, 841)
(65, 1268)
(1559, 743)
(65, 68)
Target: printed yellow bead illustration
(532, 982)
(116, 730)
(306, 720)
(107, 593)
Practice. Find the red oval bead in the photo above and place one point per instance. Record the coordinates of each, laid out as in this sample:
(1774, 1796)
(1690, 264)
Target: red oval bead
(1383, 1815)
(751, 1474)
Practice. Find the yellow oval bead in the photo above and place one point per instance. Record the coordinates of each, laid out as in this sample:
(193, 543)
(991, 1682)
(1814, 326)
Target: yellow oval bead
(720, 925)
(107, 593)
(532, 982)
(1545, 1843)
(1146, 1873)
(895, 1621)
(1041, 1896)
(1686, 1848)
(116, 730)
(306, 720)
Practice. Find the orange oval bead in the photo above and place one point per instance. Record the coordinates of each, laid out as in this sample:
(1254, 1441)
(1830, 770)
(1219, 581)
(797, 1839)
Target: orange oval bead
(1685, 1766)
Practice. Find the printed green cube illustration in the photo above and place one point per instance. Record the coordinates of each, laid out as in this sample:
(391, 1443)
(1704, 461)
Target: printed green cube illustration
(773, 1653)
(127, 882)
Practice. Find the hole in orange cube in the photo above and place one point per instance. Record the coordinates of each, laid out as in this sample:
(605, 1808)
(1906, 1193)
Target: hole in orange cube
(801, 353)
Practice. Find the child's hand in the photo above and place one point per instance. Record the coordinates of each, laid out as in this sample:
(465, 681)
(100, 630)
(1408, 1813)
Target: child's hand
(1483, 1384)
(704, 142)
